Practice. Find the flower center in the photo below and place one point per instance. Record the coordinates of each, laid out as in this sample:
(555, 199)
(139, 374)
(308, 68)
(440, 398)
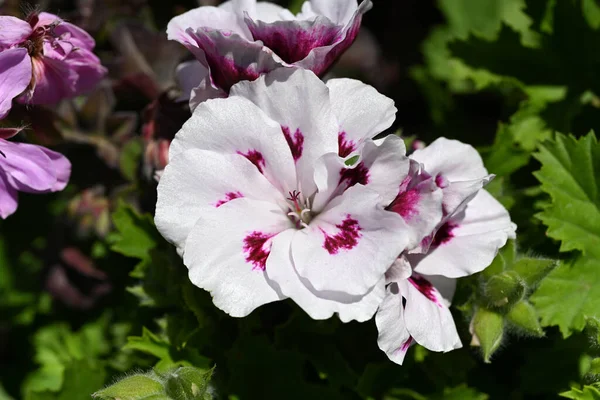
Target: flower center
(300, 212)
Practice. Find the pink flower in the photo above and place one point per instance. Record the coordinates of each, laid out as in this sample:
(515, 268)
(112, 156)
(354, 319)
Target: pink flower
(243, 39)
(31, 169)
(44, 60)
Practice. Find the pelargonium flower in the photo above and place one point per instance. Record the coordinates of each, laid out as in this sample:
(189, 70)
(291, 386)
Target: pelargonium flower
(420, 284)
(44, 59)
(260, 201)
(31, 169)
(242, 39)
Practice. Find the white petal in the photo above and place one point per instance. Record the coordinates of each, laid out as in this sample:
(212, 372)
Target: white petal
(380, 168)
(427, 318)
(349, 246)
(299, 102)
(456, 161)
(197, 182)
(393, 338)
(200, 18)
(471, 242)
(268, 12)
(319, 305)
(446, 286)
(236, 126)
(227, 251)
(338, 11)
(399, 270)
(362, 111)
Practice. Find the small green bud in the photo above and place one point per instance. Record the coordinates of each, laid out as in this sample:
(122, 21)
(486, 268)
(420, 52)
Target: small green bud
(487, 328)
(505, 289)
(134, 387)
(533, 270)
(524, 316)
(188, 383)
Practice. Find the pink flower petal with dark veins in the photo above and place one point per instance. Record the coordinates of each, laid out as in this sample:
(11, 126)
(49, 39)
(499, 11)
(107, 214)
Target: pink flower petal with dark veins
(294, 40)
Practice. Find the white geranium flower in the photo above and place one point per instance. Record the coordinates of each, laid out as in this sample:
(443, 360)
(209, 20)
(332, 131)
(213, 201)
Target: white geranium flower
(420, 284)
(243, 39)
(258, 199)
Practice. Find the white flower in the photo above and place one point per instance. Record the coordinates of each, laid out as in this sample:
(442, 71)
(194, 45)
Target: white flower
(258, 198)
(420, 283)
(242, 39)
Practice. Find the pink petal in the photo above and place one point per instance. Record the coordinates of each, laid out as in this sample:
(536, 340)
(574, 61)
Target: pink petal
(88, 69)
(54, 81)
(15, 75)
(8, 197)
(61, 166)
(27, 167)
(13, 31)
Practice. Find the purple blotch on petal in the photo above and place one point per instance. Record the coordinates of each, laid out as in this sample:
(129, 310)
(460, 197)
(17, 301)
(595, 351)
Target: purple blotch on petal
(346, 238)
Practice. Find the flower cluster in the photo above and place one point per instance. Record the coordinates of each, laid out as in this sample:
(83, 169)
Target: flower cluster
(44, 60)
(280, 191)
(242, 39)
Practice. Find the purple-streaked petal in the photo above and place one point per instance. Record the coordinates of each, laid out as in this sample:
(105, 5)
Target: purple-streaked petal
(292, 41)
(357, 122)
(319, 305)
(349, 246)
(380, 168)
(468, 242)
(8, 197)
(197, 182)
(427, 317)
(393, 338)
(13, 31)
(27, 167)
(419, 203)
(15, 76)
(320, 59)
(306, 120)
(61, 166)
(237, 126)
(227, 252)
(231, 58)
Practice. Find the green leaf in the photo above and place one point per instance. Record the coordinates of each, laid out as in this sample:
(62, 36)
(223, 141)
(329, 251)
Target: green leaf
(135, 387)
(570, 174)
(136, 234)
(569, 294)
(587, 393)
(129, 161)
(462, 392)
(70, 364)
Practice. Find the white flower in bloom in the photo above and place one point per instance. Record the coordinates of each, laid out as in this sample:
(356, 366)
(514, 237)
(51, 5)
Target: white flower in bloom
(258, 198)
(466, 240)
(242, 39)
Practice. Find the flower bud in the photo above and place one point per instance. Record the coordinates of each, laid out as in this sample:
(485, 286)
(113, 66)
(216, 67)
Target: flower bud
(524, 316)
(487, 328)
